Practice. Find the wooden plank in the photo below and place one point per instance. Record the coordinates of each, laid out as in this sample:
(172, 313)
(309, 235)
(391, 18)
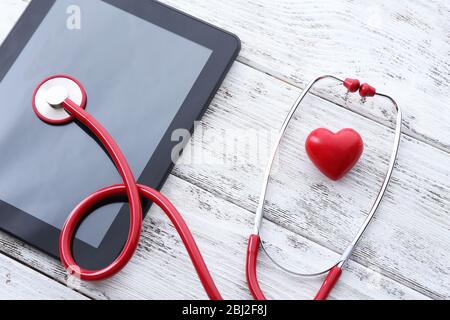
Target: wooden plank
(10, 11)
(402, 47)
(20, 282)
(251, 97)
(409, 236)
(161, 269)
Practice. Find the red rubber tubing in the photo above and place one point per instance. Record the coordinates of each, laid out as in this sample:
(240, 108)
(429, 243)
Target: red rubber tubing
(133, 192)
(329, 283)
(252, 278)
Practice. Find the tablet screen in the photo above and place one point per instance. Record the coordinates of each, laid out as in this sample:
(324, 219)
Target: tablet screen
(136, 75)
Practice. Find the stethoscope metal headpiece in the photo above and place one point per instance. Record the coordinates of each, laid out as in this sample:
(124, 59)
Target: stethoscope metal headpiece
(260, 209)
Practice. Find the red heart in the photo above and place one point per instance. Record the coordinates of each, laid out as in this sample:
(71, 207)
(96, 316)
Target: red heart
(334, 154)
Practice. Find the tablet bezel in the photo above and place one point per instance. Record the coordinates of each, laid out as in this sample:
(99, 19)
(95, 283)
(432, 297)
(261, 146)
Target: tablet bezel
(225, 48)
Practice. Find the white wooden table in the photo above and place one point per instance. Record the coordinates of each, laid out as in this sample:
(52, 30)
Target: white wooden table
(402, 47)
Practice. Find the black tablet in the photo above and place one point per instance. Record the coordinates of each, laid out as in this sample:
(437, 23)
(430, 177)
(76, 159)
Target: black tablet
(148, 70)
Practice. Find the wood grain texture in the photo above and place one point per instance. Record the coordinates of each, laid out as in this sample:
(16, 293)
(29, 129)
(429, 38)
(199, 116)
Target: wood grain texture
(409, 238)
(161, 269)
(404, 255)
(224, 249)
(401, 47)
(20, 282)
(10, 10)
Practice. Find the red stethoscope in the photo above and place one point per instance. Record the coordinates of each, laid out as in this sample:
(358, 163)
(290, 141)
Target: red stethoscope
(59, 100)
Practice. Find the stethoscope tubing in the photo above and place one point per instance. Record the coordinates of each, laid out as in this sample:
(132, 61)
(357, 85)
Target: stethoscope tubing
(335, 271)
(133, 192)
(254, 244)
(83, 208)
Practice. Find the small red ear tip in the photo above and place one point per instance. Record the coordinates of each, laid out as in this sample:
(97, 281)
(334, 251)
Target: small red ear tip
(367, 90)
(352, 84)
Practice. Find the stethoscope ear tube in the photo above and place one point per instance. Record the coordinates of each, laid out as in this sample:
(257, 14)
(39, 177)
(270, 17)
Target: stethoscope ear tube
(252, 279)
(329, 283)
(334, 272)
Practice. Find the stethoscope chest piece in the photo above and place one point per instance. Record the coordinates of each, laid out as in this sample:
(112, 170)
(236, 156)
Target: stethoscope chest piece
(49, 95)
